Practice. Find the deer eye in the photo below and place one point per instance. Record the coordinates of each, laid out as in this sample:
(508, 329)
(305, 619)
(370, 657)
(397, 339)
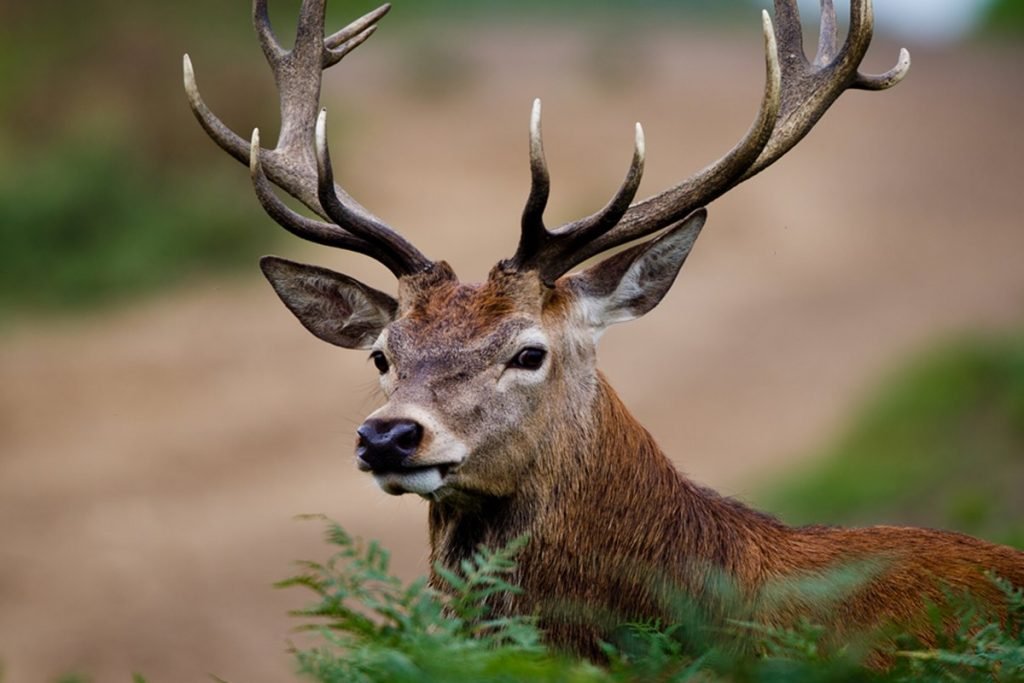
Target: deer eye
(530, 358)
(381, 361)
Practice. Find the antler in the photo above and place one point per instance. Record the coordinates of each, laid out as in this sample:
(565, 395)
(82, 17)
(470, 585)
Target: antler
(796, 95)
(300, 162)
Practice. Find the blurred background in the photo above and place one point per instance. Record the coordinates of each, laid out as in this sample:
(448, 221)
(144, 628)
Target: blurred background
(846, 342)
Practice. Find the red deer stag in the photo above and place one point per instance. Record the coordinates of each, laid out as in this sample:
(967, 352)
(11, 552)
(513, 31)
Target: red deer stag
(496, 412)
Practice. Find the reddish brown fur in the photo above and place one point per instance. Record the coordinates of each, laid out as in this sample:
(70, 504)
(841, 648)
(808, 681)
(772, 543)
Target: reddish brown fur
(436, 297)
(616, 533)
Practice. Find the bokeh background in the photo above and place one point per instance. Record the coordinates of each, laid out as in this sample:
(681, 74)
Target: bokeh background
(846, 343)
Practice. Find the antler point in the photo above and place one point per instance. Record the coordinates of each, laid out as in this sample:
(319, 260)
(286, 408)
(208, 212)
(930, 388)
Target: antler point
(187, 70)
(254, 152)
(322, 153)
(769, 32)
(535, 119)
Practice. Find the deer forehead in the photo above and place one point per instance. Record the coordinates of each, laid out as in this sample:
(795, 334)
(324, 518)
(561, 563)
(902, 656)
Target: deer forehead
(451, 343)
(467, 328)
(441, 317)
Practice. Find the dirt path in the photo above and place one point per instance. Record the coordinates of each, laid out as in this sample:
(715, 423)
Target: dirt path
(151, 460)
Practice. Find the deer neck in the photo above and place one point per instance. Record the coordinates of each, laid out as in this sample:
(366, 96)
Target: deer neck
(600, 487)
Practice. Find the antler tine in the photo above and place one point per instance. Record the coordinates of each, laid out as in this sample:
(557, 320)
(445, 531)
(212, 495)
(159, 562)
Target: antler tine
(352, 36)
(789, 31)
(336, 55)
(607, 218)
(292, 165)
(298, 77)
(552, 253)
(674, 204)
(358, 26)
(268, 41)
(534, 233)
(327, 234)
(828, 38)
(797, 94)
(362, 225)
(225, 138)
(884, 81)
(810, 91)
(861, 29)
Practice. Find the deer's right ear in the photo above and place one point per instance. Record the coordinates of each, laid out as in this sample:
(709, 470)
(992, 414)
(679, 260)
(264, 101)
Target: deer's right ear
(629, 284)
(336, 308)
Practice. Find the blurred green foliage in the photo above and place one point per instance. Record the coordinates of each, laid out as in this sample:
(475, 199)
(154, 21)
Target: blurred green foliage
(940, 445)
(1006, 16)
(74, 678)
(373, 627)
(87, 221)
(104, 190)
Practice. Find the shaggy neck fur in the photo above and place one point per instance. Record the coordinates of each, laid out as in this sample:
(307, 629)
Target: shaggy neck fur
(617, 535)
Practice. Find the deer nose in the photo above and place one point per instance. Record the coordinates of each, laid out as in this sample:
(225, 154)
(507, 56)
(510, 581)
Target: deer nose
(386, 444)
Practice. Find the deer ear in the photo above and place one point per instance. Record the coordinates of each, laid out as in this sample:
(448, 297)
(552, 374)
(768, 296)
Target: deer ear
(631, 283)
(336, 308)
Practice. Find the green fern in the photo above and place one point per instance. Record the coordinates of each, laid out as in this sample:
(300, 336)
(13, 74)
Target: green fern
(372, 627)
(981, 648)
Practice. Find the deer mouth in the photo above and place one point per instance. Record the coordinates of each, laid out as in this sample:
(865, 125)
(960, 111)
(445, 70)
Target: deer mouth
(422, 480)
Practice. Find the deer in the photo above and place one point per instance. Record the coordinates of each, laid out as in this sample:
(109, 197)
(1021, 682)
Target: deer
(495, 411)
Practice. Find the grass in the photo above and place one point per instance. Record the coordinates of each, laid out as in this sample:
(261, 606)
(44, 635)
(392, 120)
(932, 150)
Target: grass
(941, 444)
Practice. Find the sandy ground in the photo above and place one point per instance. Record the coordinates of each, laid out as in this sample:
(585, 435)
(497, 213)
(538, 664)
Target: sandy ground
(152, 459)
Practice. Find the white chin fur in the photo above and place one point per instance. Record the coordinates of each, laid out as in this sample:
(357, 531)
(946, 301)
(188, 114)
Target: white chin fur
(422, 481)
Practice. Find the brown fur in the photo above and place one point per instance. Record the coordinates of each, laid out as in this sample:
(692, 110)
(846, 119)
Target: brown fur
(617, 534)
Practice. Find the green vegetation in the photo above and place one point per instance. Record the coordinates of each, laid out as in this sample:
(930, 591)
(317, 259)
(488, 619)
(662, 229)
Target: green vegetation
(1006, 17)
(103, 194)
(372, 627)
(87, 221)
(941, 445)
(136, 678)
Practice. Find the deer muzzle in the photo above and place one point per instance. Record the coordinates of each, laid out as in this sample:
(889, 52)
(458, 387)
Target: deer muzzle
(408, 454)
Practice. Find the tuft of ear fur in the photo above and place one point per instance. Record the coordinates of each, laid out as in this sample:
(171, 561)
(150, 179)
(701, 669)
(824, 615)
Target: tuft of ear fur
(632, 282)
(336, 308)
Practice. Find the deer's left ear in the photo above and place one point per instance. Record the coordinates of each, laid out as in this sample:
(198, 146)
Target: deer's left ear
(631, 283)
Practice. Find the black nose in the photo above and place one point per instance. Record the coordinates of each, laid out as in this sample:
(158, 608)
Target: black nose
(385, 444)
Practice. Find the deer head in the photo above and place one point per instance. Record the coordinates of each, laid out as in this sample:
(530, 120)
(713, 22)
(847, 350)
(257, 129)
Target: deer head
(482, 378)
